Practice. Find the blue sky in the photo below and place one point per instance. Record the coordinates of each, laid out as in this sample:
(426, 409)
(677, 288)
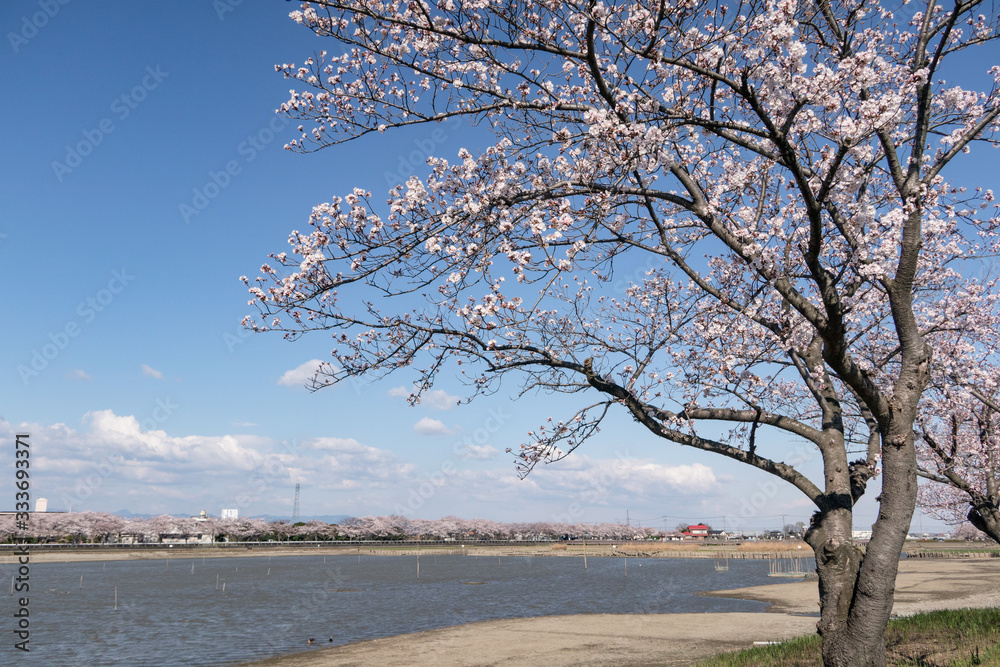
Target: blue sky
(143, 173)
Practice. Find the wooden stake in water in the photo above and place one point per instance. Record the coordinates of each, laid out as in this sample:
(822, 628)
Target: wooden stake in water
(268, 572)
(584, 555)
(192, 568)
(81, 581)
(216, 581)
(116, 598)
(223, 587)
(418, 566)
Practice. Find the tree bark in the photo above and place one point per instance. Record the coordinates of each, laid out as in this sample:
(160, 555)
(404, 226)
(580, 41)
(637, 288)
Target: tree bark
(986, 517)
(856, 588)
(838, 561)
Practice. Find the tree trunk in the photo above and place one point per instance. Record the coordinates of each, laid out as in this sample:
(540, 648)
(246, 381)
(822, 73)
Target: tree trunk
(986, 517)
(838, 562)
(856, 588)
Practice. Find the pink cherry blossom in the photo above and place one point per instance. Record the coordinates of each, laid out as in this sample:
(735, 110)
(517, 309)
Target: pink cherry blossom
(776, 168)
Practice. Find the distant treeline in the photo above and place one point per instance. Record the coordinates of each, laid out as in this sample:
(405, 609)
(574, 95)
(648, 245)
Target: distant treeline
(98, 527)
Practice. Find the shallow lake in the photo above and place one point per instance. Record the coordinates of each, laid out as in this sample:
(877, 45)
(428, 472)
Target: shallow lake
(220, 611)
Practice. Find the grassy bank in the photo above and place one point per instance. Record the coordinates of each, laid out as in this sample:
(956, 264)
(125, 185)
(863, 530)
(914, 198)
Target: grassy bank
(958, 638)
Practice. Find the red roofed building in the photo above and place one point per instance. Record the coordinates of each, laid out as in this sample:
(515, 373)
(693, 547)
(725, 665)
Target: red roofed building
(698, 530)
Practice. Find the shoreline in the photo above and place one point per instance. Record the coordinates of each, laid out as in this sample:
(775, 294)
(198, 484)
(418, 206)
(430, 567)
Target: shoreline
(547, 549)
(631, 549)
(640, 640)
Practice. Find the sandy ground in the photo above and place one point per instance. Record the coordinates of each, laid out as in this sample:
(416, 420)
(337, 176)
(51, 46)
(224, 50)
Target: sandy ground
(922, 585)
(653, 639)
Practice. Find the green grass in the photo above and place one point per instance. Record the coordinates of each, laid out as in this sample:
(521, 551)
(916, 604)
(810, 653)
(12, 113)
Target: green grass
(960, 638)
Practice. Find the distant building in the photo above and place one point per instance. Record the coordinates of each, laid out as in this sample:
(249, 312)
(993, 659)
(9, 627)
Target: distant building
(231, 513)
(42, 505)
(698, 530)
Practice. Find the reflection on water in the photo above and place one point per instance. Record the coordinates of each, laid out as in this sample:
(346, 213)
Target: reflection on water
(219, 611)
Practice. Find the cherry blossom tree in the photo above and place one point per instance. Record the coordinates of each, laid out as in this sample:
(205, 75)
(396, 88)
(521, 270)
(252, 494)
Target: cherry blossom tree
(958, 447)
(8, 528)
(101, 526)
(156, 527)
(251, 529)
(968, 532)
(959, 450)
(770, 172)
(279, 531)
(313, 530)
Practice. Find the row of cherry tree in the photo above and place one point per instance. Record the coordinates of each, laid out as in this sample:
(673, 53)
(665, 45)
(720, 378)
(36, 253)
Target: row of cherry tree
(98, 527)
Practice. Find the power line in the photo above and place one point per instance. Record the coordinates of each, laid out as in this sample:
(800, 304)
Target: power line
(702, 516)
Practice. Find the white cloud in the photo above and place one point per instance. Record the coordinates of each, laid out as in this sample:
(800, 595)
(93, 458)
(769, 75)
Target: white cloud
(96, 467)
(345, 445)
(435, 399)
(77, 374)
(695, 478)
(477, 452)
(439, 399)
(151, 372)
(115, 462)
(607, 478)
(301, 375)
(345, 464)
(428, 426)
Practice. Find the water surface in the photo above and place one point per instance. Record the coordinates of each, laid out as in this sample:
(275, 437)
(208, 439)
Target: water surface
(220, 611)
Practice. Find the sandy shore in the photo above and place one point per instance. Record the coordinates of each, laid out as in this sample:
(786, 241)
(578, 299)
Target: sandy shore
(653, 639)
